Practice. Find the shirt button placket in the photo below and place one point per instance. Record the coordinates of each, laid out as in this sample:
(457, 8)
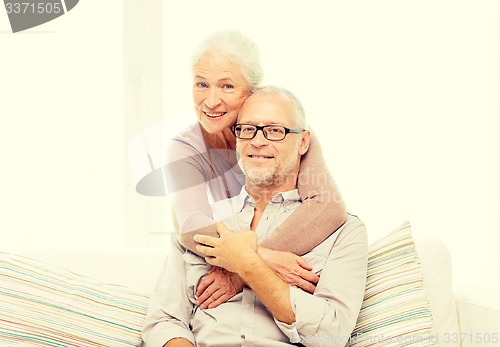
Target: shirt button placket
(247, 302)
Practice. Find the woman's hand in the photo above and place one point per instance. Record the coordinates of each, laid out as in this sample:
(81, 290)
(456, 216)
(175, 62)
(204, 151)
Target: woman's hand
(290, 268)
(218, 287)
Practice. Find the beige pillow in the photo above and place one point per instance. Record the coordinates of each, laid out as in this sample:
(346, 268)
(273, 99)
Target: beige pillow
(395, 309)
(44, 305)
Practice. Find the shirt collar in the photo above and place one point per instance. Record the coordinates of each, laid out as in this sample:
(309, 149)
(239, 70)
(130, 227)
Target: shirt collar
(283, 197)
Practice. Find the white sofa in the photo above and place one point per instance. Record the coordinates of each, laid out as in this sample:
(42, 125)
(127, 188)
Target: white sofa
(461, 323)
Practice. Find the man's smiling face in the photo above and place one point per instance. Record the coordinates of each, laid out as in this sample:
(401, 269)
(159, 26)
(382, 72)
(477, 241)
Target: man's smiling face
(267, 162)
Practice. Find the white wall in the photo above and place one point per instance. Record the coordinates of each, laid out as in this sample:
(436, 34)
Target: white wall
(404, 97)
(146, 219)
(61, 133)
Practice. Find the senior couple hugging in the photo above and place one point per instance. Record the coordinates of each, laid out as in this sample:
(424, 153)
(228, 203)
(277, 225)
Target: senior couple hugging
(264, 255)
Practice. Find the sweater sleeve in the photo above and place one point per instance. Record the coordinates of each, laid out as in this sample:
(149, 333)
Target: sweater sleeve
(187, 175)
(322, 211)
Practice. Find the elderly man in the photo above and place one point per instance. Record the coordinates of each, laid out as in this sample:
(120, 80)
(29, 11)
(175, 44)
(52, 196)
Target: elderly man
(268, 312)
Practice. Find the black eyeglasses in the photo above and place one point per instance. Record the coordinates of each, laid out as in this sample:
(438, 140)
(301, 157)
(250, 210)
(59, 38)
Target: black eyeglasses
(271, 132)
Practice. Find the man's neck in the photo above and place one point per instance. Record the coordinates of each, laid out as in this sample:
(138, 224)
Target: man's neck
(262, 194)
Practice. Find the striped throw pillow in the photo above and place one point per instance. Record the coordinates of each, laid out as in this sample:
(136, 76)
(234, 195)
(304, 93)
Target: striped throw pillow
(44, 305)
(395, 310)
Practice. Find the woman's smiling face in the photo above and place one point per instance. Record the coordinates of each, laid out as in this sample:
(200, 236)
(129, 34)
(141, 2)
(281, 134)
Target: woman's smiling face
(219, 91)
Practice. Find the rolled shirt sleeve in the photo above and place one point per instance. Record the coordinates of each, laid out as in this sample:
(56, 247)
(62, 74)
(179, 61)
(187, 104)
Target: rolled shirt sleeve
(170, 307)
(328, 317)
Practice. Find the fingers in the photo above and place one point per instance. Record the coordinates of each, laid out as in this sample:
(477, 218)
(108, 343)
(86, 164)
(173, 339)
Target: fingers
(216, 288)
(209, 240)
(308, 276)
(304, 264)
(207, 293)
(222, 299)
(212, 261)
(206, 299)
(303, 279)
(205, 283)
(205, 240)
(205, 250)
(305, 271)
(207, 288)
(213, 300)
(306, 286)
(222, 228)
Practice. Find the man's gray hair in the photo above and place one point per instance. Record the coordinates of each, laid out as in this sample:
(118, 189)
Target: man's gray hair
(236, 46)
(299, 113)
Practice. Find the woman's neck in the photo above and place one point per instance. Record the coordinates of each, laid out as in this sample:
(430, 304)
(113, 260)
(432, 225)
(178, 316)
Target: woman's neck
(221, 140)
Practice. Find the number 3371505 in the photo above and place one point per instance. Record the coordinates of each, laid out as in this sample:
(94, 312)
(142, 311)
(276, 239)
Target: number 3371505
(475, 338)
(26, 7)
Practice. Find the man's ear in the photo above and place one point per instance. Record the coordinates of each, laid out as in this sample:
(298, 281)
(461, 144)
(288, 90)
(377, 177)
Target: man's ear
(304, 143)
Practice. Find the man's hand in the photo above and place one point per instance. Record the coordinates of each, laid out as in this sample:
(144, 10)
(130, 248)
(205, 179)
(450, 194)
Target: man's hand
(229, 250)
(237, 252)
(291, 268)
(218, 287)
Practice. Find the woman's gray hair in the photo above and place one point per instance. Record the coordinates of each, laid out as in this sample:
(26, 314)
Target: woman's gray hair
(299, 113)
(237, 46)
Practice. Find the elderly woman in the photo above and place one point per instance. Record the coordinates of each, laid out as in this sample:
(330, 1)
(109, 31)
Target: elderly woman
(203, 173)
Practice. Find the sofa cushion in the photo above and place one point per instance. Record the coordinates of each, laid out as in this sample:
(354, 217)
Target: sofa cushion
(44, 305)
(395, 309)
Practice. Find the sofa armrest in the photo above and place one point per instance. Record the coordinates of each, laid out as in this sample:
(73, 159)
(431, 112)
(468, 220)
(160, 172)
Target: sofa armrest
(479, 325)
